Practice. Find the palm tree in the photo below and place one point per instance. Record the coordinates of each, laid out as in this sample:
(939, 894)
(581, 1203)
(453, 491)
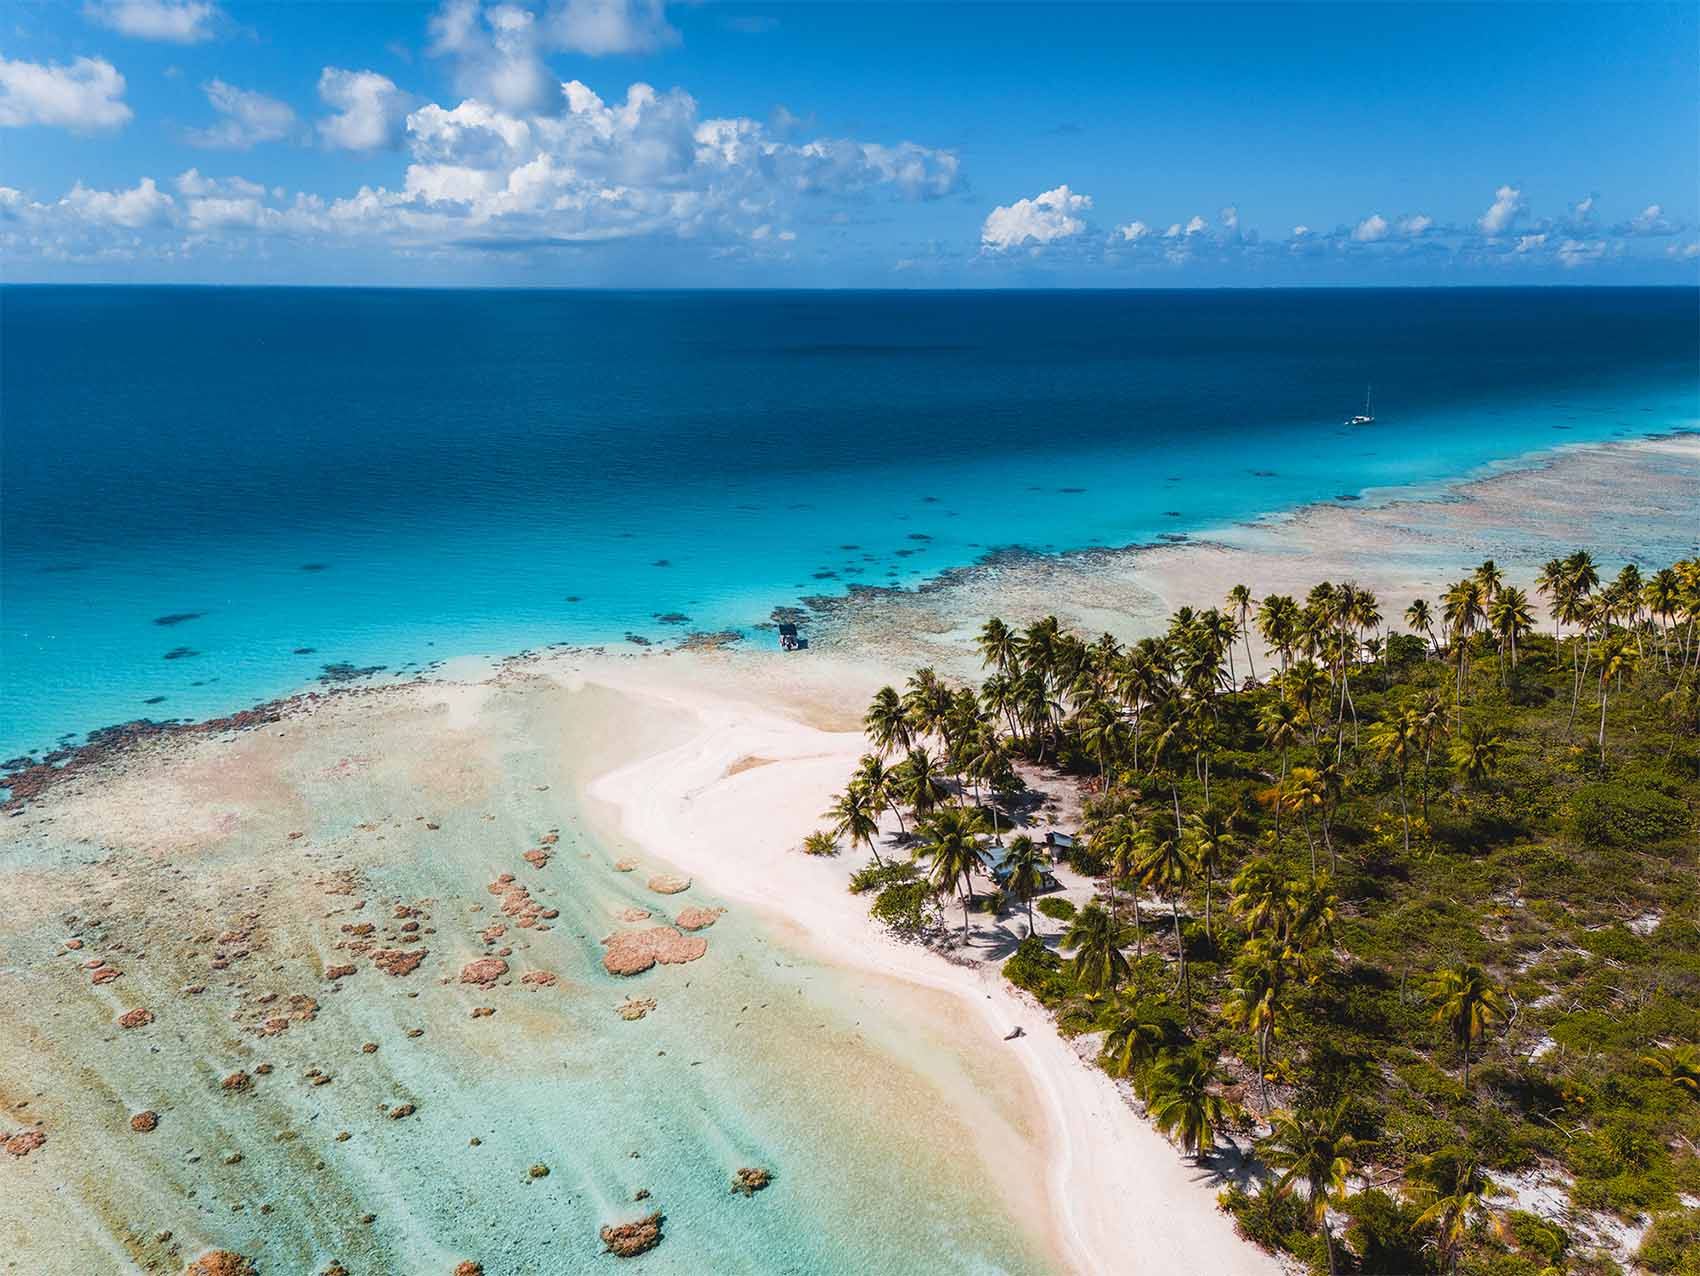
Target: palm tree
(820, 842)
(854, 816)
(1278, 720)
(919, 783)
(1510, 618)
(1167, 868)
(1278, 623)
(1099, 963)
(1303, 793)
(950, 839)
(1420, 617)
(1618, 660)
(1025, 864)
(1132, 1038)
(997, 644)
(1239, 607)
(1182, 1103)
(1209, 847)
(886, 724)
(1462, 609)
(1680, 1065)
(1394, 741)
(1476, 753)
(1264, 897)
(1451, 1208)
(880, 783)
(1466, 1000)
(1431, 718)
(1257, 1000)
(1314, 1149)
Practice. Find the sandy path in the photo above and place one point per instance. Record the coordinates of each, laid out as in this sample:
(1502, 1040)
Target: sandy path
(1122, 1198)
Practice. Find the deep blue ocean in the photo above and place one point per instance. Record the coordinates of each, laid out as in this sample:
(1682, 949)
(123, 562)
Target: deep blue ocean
(209, 495)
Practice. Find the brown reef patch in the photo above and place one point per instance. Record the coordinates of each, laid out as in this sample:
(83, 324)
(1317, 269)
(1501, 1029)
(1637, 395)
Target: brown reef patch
(631, 952)
(669, 883)
(698, 918)
(628, 1240)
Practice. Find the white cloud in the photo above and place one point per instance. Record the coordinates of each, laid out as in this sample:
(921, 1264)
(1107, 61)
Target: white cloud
(1196, 225)
(1044, 219)
(370, 111)
(1370, 229)
(498, 55)
(1507, 203)
(249, 118)
(1529, 243)
(1650, 220)
(599, 27)
(1575, 252)
(143, 205)
(85, 96)
(1174, 231)
(1415, 225)
(1684, 251)
(1582, 211)
(1133, 231)
(1299, 232)
(1230, 217)
(173, 21)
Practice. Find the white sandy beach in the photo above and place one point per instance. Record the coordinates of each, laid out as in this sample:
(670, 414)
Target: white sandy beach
(1123, 1199)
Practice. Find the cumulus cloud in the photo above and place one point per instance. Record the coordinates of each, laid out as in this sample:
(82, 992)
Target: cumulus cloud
(370, 112)
(1044, 219)
(172, 21)
(86, 97)
(1415, 224)
(599, 27)
(1502, 213)
(1133, 231)
(497, 53)
(143, 205)
(1651, 220)
(1370, 229)
(249, 119)
(1576, 252)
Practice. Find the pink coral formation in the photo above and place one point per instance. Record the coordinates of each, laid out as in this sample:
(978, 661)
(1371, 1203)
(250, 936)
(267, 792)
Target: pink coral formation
(628, 1240)
(485, 971)
(631, 952)
(697, 918)
(338, 972)
(24, 1142)
(398, 961)
(144, 1122)
(536, 979)
(669, 883)
(220, 1262)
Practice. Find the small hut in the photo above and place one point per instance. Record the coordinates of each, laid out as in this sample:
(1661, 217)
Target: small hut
(1060, 845)
(788, 640)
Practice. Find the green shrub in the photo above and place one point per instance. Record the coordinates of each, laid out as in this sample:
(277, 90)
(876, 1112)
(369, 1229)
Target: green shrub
(1619, 814)
(1056, 908)
(1672, 1244)
(875, 876)
(903, 908)
(1039, 971)
(1384, 1233)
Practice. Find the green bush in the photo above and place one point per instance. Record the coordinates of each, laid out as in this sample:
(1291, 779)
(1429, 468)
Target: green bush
(1672, 1244)
(1384, 1233)
(1537, 1236)
(1619, 814)
(1056, 908)
(1039, 971)
(903, 908)
(875, 876)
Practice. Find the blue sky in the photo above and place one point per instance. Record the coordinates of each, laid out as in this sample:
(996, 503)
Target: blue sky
(632, 142)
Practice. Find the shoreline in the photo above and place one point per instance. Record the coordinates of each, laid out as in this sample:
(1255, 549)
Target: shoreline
(842, 619)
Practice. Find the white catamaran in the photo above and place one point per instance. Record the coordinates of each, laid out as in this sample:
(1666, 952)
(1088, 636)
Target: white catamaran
(1367, 417)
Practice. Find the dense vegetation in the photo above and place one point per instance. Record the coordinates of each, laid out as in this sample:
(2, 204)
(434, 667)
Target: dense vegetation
(1416, 911)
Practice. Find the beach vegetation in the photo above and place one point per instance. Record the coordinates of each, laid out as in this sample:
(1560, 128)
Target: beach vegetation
(1418, 909)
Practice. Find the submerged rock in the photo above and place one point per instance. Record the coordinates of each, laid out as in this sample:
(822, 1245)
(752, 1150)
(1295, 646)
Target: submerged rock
(137, 1018)
(628, 1240)
(24, 1142)
(697, 918)
(669, 883)
(631, 952)
(634, 1008)
(144, 1122)
(750, 1180)
(485, 971)
(220, 1262)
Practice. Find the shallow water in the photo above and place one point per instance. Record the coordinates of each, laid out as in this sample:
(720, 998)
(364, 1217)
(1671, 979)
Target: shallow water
(881, 1126)
(212, 494)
